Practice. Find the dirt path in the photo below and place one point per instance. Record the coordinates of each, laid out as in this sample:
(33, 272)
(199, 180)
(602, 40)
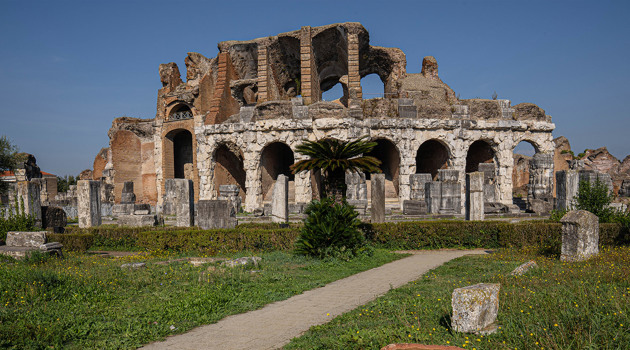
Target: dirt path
(276, 324)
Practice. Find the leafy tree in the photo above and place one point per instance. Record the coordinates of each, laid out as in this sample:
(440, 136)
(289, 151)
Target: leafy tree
(334, 158)
(64, 183)
(8, 159)
(596, 198)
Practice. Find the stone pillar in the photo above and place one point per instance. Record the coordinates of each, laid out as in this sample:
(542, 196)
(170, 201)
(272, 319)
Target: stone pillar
(213, 214)
(378, 197)
(29, 194)
(580, 235)
(475, 308)
(230, 193)
(89, 203)
(303, 188)
(280, 200)
(490, 182)
(355, 93)
(417, 183)
(263, 75)
(567, 182)
(474, 196)
(128, 196)
(539, 195)
(356, 190)
(433, 196)
(450, 197)
(308, 68)
(181, 194)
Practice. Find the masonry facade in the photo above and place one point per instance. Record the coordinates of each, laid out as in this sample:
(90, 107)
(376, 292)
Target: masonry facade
(239, 117)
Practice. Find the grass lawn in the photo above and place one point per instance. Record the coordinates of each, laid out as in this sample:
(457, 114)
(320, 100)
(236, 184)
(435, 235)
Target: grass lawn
(86, 301)
(558, 306)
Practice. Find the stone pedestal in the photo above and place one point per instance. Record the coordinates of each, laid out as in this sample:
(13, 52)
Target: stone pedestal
(414, 207)
(567, 183)
(489, 182)
(474, 196)
(280, 200)
(417, 184)
(539, 191)
(89, 203)
(230, 193)
(212, 214)
(433, 196)
(580, 235)
(475, 308)
(378, 197)
(181, 194)
(28, 194)
(137, 220)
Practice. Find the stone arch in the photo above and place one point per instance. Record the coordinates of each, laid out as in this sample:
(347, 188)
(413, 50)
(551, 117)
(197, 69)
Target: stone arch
(330, 48)
(275, 159)
(179, 110)
(179, 155)
(387, 152)
(229, 167)
(373, 86)
(431, 156)
(521, 168)
(480, 151)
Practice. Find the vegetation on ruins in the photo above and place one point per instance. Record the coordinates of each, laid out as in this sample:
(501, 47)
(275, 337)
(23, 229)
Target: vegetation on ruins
(556, 306)
(334, 158)
(64, 183)
(14, 218)
(90, 302)
(8, 159)
(596, 198)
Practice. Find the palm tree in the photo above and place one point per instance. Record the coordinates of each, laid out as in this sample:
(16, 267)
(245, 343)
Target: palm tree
(334, 158)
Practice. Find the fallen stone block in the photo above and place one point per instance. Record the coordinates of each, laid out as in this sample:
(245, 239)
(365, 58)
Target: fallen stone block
(25, 239)
(137, 220)
(524, 268)
(133, 266)
(419, 347)
(475, 308)
(414, 207)
(242, 261)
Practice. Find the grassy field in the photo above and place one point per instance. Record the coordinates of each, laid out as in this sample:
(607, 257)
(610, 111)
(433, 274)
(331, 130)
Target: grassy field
(557, 306)
(86, 301)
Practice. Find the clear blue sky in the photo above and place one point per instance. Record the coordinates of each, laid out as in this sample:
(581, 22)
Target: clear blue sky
(68, 68)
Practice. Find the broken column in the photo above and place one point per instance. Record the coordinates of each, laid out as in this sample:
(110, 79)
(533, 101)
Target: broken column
(474, 196)
(29, 196)
(539, 195)
(580, 235)
(280, 200)
(378, 197)
(89, 203)
(356, 190)
(433, 196)
(214, 214)
(489, 182)
(450, 197)
(181, 194)
(475, 308)
(230, 193)
(567, 183)
(417, 204)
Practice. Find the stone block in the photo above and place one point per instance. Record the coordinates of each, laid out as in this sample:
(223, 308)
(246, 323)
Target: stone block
(433, 196)
(450, 198)
(25, 239)
(474, 196)
(539, 206)
(230, 192)
(356, 187)
(414, 207)
(213, 214)
(448, 175)
(280, 200)
(137, 220)
(89, 203)
(378, 197)
(524, 268)
(408, 112)
(53, 217)
(122, 209)
(475, 308)
(417, 185)
(29, 195)
(567, 183)
(296, 208)
(180, 193)
(580, 235)
(142, 209)
(127, 196)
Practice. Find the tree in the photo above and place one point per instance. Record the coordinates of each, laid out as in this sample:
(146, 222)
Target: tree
(64, 183)
(334, 158)
(596, 198)
(8, 159)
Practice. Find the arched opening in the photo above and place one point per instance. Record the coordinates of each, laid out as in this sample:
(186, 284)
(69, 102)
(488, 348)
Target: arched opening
(388, 154)
(432, 155)
(180, 112)
(372, 86)
(337, 93)
(178, 155)
(479, 152)
(522, 154)
(276, 158)
(228, 169)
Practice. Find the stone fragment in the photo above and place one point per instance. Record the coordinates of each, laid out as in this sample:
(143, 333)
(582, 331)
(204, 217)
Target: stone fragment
(242, 261)
(133, 266)
(524, 268)
(52, 248)
(448, 175)
(25, 239)
(450, 198)
(89, 203)
(29, 196)
(580, 235)
(137, 220)
(433, 196)
(475, 308)
(127, 197)
(181, 194)
(53, 217)
(419, 347)
(230, 192)
(567, 184)
(212, 214)
(378, 197)
(414, 207)
(417, 186)
(539, 192)
(474, 196)
(123, 209)
(280, 200)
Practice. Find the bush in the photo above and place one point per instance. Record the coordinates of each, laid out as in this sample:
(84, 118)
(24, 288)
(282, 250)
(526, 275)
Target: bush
(73, 241)
(595, 198)
(15, 219)
(330, 229)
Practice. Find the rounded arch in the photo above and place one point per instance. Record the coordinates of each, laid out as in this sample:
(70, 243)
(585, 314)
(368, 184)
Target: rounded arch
(179, 110)
(229, 167)
(275, 159)
(387, 152)
(519, 143)
(480, 151)
(179, 154)
(431, 156)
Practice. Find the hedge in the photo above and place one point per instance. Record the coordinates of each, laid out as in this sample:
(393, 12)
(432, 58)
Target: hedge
(72, 241)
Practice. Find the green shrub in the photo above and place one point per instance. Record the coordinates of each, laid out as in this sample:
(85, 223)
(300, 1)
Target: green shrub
(329, 229)
(15, 219)
(596, 198)
(73, 241)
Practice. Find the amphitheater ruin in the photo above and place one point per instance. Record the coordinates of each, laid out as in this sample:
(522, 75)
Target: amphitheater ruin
(239, 116)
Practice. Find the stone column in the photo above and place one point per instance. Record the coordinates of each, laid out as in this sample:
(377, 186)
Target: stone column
(567, 182)
(303, 188)
(474, 196)
(417, 183)
(378, 197)
(433, 196)
(181, 194)
(280, 200)
(29, 195)
(355, 93)
(89, 203)
(580, 236)
(308, 68)
(450, 197)
(539, 196)
(253, 193)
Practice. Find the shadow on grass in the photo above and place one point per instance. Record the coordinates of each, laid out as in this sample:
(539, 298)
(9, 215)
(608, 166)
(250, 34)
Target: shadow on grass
(445, 321)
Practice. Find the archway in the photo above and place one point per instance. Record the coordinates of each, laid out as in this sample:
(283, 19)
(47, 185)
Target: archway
(228, 169)
(180, 146)
(432, 155)
(522, 154)
(372, 86)
(275, 159)
(387, 152)
(180, 112)
(479, 152)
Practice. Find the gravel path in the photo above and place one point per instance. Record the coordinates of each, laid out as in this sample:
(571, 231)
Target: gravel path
(276, 324)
